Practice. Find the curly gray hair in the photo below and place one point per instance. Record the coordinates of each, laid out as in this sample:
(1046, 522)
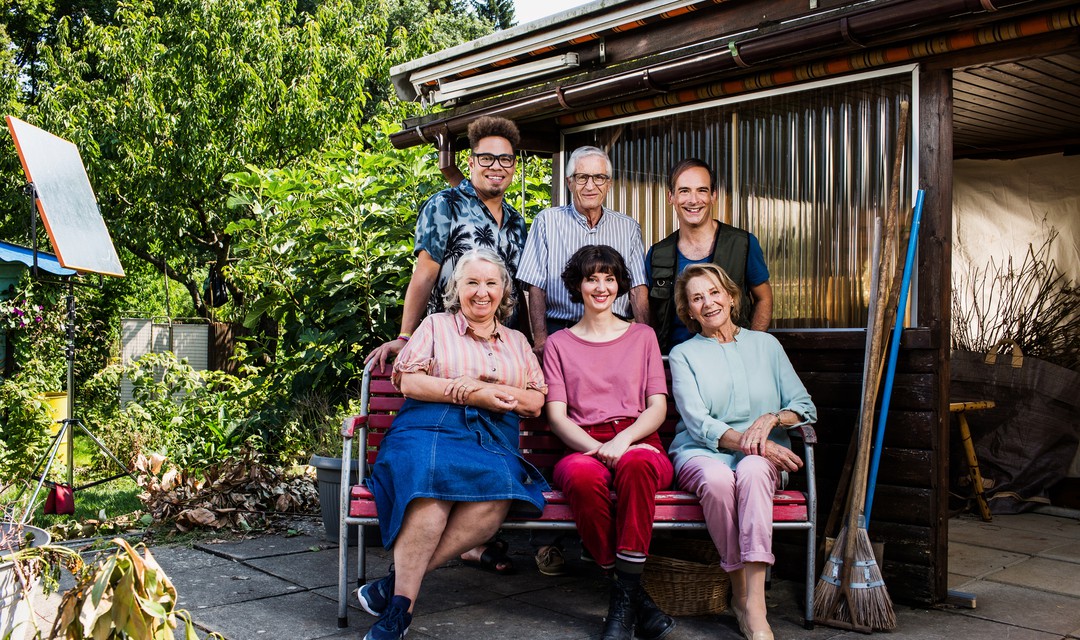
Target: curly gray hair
(450, 298)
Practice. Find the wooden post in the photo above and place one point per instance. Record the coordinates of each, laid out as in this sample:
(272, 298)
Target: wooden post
(935, 287)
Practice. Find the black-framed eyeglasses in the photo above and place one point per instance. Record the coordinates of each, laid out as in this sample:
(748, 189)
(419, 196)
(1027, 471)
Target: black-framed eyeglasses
(506, 160)
(582, 179)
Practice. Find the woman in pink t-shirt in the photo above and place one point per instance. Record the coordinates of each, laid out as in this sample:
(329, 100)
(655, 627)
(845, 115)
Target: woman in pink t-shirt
(606, 399)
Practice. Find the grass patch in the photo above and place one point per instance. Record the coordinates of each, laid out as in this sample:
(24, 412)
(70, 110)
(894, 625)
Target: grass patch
(106, 501)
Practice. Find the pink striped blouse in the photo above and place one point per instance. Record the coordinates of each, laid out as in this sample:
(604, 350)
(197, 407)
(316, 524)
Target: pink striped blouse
(443, 346)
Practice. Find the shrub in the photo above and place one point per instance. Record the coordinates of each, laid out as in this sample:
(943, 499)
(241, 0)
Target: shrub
(326, 256)
(195, 418)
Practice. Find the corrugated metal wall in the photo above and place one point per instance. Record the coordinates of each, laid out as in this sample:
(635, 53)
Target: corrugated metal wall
(806, 172)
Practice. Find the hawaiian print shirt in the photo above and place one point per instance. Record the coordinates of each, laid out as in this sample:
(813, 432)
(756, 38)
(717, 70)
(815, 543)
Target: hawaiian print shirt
(454, 221)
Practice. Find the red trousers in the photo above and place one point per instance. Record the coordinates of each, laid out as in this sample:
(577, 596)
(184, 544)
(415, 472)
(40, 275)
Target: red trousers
(607, 526)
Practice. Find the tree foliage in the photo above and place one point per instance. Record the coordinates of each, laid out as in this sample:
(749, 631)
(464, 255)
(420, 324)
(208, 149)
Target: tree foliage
(500, 13)
(327, 251)
(171, 97)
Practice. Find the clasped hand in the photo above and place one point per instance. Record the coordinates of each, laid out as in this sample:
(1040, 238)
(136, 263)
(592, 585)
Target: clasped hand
(755, 440)
(610, 452)
(468, 390)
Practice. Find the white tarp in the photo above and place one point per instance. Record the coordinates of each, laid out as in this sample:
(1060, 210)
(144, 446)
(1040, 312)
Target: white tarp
(1002, 206)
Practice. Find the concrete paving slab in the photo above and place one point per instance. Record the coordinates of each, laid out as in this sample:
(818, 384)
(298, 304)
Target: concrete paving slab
(226, 584)
(994, 536)
(443, 589)
(331, 594)
(1066, 552)
(957, 581)
(526, 579)
(1023, 607)
(378, 562)
(931, 624)
(975, 561)
(309, 569)
(522, 620)
(296, 616)
(583, 598)
(1040, 523)
(180, 632)
(725, 627)
(262, 547)
(182, 558)
(1042, 574)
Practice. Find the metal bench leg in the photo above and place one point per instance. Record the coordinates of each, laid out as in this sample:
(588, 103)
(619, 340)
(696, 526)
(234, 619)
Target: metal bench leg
(343, 579)
(361, 558)
(811, 579)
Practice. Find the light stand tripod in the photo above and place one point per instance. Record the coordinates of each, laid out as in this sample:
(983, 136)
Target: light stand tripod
(60, 190)
(71, 423)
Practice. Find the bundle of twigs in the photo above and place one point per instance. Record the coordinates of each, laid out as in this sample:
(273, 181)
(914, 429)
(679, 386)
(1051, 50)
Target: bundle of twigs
(1034, 304)
(851, 593)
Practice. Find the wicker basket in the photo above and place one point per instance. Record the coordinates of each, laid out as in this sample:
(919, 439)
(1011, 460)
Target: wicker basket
(684, 577)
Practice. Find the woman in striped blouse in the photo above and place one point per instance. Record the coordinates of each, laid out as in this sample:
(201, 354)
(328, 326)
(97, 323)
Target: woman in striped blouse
(449, 469)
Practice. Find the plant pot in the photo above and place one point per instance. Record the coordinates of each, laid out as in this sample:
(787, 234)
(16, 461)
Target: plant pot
(14, 595)
(58, 409)
(328, 473)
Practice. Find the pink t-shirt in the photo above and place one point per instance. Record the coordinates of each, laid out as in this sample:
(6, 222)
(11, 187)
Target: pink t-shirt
(602, 381)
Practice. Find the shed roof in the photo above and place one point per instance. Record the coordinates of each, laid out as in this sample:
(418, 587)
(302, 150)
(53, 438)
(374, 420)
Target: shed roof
(13, 253)
(635, 56)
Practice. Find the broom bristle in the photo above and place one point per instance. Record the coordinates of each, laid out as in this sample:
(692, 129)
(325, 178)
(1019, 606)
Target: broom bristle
(828, 593)
(869, 597)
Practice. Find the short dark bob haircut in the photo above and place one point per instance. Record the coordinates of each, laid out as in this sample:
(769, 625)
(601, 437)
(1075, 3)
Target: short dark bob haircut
(592, 259)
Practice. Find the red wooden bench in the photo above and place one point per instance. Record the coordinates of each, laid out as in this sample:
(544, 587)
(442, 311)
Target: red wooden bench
(380, 400)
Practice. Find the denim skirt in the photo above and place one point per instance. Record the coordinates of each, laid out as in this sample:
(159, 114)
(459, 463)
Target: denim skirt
(453, 453)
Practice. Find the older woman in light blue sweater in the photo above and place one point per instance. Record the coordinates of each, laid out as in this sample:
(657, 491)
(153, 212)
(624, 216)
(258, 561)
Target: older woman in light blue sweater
(737, 395)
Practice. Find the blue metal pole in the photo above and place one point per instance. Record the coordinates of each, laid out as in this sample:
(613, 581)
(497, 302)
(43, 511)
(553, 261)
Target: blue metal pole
(894, 352)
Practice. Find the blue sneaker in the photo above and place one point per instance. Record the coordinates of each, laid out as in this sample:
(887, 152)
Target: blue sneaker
(375, 596)
(394, 623)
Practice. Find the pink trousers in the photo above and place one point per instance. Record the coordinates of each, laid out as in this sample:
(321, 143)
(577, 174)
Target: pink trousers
(606, 527)
(737, 504)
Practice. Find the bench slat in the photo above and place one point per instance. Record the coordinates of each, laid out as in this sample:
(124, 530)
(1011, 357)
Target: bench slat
(671, 506)
(382, 404)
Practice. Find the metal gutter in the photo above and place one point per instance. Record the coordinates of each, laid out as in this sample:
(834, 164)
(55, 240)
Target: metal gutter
(885, 56)
(574, 26)
(851, 31)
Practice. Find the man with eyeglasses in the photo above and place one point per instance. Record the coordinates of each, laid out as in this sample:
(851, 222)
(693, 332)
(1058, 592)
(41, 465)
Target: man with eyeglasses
(558, 232)
(472, 214)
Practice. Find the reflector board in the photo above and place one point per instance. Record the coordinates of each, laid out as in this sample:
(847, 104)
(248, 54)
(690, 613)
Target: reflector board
(65, 200)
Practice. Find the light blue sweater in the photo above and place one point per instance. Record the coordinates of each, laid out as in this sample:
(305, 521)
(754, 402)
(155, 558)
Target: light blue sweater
(727, 386)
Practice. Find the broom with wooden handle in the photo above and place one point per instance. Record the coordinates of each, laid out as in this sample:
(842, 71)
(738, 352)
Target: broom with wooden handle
(834, 597)
(841, 499)
(851, 593)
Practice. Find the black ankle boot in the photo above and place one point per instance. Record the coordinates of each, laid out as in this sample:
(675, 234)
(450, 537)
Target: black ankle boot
(622, 612)
(652, 623)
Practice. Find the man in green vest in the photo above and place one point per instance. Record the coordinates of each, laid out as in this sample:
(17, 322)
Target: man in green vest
(702, 238)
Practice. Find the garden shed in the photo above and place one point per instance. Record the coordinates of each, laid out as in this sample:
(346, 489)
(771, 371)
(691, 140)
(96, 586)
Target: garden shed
(796, 104)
